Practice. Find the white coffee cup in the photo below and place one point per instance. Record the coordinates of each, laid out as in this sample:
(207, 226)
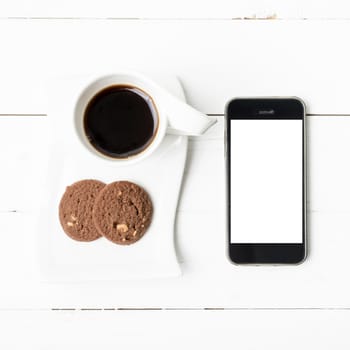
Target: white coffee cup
(173, 115)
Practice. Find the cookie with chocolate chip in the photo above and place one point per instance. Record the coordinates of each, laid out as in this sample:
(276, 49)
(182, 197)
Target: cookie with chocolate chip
(122, 212)
(75, 210)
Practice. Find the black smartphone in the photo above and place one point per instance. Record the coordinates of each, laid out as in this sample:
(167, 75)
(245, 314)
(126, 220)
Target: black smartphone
(266, 180)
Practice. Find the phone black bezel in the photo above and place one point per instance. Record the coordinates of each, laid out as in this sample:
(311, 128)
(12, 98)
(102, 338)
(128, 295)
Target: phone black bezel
(266, 109)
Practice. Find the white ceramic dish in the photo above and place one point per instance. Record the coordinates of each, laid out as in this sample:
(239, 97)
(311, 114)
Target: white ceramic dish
(154, 256)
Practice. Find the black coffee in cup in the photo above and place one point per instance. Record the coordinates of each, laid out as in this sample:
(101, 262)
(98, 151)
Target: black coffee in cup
(120, 121)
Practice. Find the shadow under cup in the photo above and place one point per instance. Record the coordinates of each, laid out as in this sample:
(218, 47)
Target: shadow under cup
(120, 121)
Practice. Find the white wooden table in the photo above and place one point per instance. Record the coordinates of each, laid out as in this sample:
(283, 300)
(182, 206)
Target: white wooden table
(282, 49)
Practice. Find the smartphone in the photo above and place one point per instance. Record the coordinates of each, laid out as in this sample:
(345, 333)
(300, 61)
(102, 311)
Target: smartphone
(266, 180)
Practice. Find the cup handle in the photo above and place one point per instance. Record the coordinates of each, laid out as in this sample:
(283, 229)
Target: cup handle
(184, 119)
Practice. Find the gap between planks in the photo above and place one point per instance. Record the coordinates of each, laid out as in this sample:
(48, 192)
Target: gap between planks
(270, 17)
(220, 309)
(208, 309)
(273, 17)
(204, 309)
(208, 114)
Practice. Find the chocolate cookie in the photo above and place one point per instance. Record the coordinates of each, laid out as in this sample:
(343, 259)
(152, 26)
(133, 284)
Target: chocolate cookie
(75, 210)
(122, 212)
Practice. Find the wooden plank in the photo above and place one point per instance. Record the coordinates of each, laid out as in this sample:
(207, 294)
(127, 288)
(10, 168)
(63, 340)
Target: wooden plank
(215, 60)
(179, 9)
(208, 280)
(175, 329)
(23, 155)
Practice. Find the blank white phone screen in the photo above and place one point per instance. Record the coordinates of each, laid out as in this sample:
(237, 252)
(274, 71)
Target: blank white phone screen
(266, 181)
